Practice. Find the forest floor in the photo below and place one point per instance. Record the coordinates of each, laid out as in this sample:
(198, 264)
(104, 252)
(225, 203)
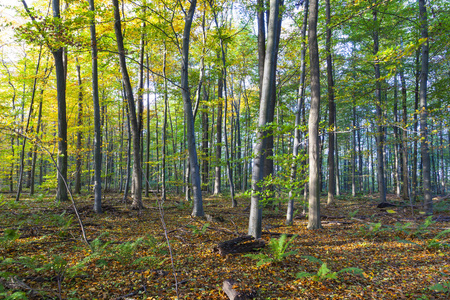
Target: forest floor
(399, 253)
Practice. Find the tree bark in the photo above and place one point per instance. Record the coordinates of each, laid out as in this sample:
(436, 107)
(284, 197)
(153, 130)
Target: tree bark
(185, 91)
(61, 192)
(218, 169)
(424, 147)
(164, 129)
(379, 113)
(255, 218)
(79, 160)
(97, 124)
(313, 122)
(331, 110)
(405, 179)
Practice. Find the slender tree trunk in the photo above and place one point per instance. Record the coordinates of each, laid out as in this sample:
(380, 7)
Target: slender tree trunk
(414, 183)
(190, 131)
(127, 182)
(205, 140)
(227, 150)
(313, 123)
(61, 193)
(147, 167)
(255, 218)
(97, 124)
(405, 180)
(331, 110)
(164, 129)
(424, 147)
(30, 112)
(354, 149)
(299, 108)
(338, 190)
(79, 160)
(137, 174)
(380, 131)
(218, 171)
(35, 147)
(396, 173)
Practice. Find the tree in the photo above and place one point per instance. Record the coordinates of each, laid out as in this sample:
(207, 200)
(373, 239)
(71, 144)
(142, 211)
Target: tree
(97, 126)
(255, 218)
(197, 210)
(313, 122)
(137, 174)
(380, 131)
(58, 53)
(424, 147)
(331, 110)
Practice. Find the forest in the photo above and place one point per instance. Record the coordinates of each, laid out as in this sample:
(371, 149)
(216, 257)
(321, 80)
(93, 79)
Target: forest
(217, 149)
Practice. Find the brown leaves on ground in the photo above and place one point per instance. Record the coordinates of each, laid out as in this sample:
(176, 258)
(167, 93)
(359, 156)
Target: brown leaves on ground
(397, 251)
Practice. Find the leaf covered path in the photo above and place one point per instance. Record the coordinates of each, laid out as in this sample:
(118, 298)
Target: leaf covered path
(401, 255)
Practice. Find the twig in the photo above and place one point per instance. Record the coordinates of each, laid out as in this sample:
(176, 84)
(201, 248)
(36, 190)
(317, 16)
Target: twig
(161, 216)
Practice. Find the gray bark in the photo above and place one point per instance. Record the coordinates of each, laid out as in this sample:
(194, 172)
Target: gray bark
(197, 209)
(97, 124)
(405, 179)
(79, 161)
(331, 111)
(380, 131)
(218, 172)
(255, 218)
(424, 147)
(61, 192)
(313, 122)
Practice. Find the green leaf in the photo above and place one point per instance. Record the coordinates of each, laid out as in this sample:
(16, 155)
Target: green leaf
(312, 259)
(303, 274)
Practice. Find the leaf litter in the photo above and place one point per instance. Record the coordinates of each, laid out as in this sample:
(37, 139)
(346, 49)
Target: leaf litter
(362, 252)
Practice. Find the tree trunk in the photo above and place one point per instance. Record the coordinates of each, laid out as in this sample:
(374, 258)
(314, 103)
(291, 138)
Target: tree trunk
(331, 110)
(379, 121)
(424, 147)
(30, 112)
(79, 160)
(147, 167)
(193, 161)
(255, 218)
(218, 174)
(61, 192)
(227, 152)
(35, 147)
(97, 124)
(137, 174)
(313, 123)
(299, 108)
(205, 140)
(397, 184)
(164, 129)
(405, 180)
(414, 183)
(354, 149)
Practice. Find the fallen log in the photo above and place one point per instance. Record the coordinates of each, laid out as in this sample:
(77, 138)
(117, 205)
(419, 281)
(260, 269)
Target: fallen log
(229, 287)
(242, 244)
